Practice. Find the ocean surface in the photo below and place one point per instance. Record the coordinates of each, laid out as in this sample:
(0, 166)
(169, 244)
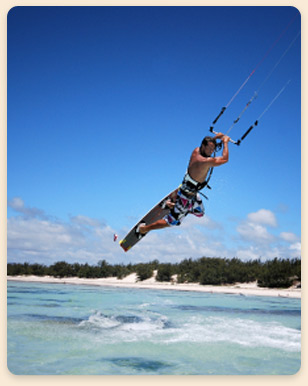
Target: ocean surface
(78, 329)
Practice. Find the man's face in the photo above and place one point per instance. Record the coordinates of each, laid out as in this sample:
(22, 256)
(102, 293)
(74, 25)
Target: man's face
(209, 149)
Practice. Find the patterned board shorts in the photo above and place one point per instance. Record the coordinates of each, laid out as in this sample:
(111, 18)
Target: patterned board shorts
(184, 205)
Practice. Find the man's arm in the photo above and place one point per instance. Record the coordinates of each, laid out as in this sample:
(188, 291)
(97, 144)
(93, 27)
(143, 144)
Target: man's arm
(217, 161)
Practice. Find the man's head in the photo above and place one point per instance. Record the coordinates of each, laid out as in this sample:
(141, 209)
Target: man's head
(208, 146)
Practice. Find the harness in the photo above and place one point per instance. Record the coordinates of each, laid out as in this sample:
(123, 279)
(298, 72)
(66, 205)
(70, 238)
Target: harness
(190, 186)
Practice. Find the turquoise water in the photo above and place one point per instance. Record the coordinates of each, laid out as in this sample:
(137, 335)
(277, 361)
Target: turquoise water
(77, 329)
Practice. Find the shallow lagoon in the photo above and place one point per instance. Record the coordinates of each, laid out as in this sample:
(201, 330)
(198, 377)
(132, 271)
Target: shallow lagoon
(79, 329)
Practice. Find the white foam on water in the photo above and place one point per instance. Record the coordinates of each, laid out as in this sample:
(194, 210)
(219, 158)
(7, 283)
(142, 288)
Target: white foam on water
(157, 328)
(99, 321)
(244, 332)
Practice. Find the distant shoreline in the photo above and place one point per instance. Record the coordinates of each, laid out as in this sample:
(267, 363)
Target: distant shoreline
(130, 281)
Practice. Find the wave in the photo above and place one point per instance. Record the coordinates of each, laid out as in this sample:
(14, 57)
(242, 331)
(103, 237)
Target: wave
(244, 332)
(98, 319)
(158, 329)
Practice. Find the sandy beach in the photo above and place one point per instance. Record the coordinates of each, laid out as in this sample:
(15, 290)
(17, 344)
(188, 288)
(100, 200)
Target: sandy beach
(131, 281)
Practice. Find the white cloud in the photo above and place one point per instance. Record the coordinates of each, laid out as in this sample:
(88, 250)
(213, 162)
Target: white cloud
(47, 241)
(35, 237)
(254, 233)
(262, 243)
(85, 221)
(259, 252)
(263, 217)
(204, 221)
(288, 236)
(250, 253)
(297, 248)
(253, 229)
(18, 205)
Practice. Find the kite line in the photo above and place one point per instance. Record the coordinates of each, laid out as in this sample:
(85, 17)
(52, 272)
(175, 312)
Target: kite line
(254, 96)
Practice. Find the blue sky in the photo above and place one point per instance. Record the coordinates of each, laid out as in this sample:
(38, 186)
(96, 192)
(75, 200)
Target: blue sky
(105, 105)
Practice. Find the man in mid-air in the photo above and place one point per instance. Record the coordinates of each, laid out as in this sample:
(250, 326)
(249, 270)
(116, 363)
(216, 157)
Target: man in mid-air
(187, 199)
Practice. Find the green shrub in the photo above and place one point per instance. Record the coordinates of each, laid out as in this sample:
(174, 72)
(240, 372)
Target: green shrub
(144, 272)
(164, 272)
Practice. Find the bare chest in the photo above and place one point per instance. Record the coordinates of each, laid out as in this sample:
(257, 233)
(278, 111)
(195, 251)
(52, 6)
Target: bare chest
(198, 170)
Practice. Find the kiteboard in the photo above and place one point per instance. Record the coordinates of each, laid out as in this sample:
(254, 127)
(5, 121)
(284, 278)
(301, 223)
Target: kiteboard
(159, 211)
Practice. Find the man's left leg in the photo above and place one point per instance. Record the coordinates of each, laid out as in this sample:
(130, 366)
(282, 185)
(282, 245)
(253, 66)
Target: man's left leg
(159, 224)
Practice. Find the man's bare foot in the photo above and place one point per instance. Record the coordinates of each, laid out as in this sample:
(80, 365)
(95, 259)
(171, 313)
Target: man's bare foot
(142, 231)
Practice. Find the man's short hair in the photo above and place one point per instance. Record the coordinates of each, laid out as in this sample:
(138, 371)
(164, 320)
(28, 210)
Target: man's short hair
(208, 139)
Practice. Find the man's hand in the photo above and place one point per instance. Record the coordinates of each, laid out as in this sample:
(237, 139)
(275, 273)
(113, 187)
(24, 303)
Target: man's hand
(170, 204)
(225, 139)
(219, 136)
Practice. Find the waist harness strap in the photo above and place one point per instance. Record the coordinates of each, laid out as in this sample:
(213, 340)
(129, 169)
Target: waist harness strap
(192, 186)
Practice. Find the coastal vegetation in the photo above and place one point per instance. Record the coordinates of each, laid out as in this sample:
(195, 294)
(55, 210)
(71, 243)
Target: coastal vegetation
(276, 273)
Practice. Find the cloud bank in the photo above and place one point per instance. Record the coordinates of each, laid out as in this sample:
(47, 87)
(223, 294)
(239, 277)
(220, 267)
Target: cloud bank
(34, 236)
